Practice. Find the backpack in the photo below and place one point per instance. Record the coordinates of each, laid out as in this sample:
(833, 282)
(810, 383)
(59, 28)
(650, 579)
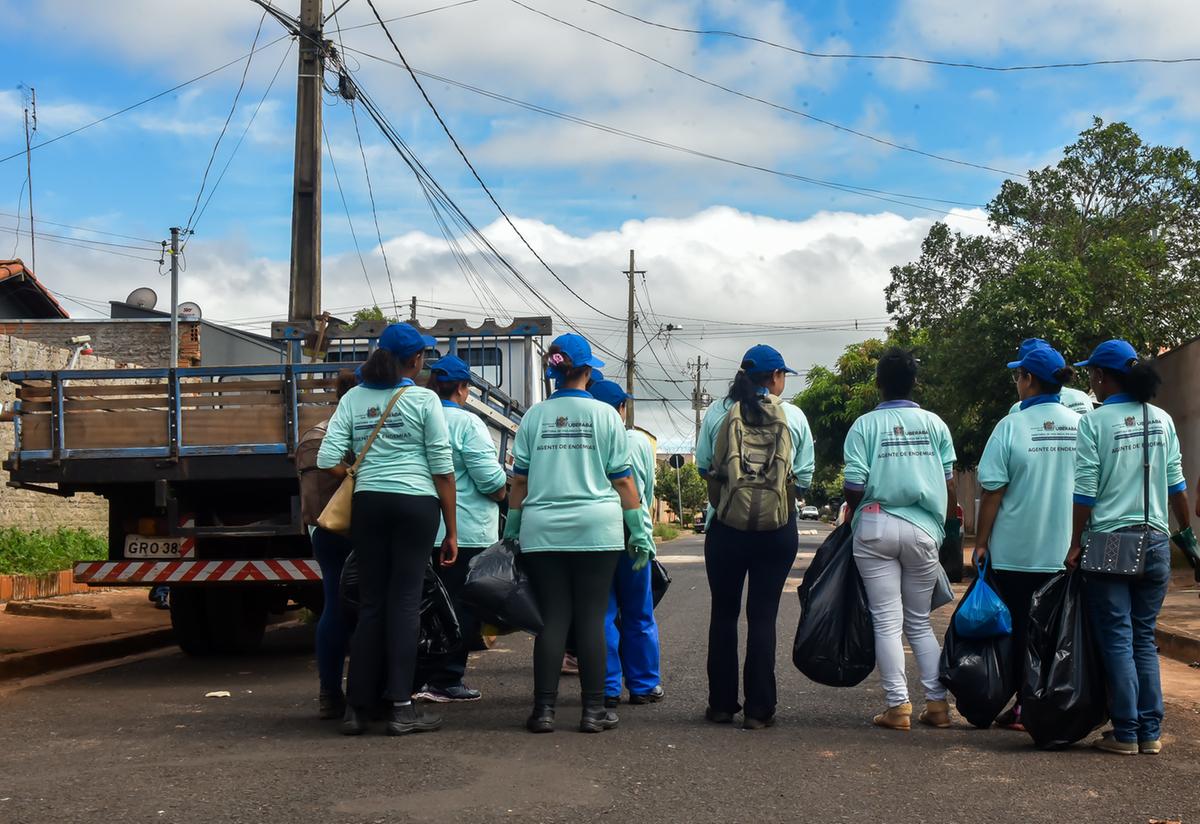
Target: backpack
(316, 485)
(753, 463)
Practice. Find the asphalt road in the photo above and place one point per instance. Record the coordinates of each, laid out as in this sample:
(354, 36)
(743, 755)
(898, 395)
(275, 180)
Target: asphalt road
(141, 742)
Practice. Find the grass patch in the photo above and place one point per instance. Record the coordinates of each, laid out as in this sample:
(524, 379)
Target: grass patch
(39, 551)
(665, 532)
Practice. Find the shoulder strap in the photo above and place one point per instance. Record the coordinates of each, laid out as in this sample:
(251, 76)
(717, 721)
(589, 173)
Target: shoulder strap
(375, 432)
(1146, 464)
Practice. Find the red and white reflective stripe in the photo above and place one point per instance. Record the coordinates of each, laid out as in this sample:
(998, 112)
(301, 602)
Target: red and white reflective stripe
(272, 570)
(187, 549)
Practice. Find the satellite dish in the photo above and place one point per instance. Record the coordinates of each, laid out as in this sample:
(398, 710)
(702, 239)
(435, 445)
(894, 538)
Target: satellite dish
(142, 298)
(190, 310)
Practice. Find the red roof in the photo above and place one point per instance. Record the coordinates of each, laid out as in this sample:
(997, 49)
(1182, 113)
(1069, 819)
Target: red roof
(40, 303)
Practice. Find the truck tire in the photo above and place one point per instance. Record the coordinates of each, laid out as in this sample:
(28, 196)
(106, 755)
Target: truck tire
(188, 621)
(237, 618)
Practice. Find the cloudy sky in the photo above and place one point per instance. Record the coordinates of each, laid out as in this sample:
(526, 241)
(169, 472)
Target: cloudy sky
(795, 252)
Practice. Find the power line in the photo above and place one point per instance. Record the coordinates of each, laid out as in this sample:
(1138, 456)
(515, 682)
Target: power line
(353, 235)
(71, 242)
(151, 241)
(140, 103)
(414, 14)
(374, 212)
(474, 172)
(764, 101)
(897, 57)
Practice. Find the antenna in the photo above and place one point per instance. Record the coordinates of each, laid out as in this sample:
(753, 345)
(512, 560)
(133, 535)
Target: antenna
(30, 128)
(143, 298)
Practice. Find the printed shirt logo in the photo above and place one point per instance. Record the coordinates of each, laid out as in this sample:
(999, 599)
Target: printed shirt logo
(562, 421)
(1130, 421)
(898, 430)
(373, 412)
(1048, 426)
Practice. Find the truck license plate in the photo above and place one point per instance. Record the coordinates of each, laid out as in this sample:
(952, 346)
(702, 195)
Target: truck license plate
(140, 546)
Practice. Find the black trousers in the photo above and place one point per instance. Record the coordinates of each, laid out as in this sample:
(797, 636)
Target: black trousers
(571, 588)
(731, 557)
(448, 670)
(1016, 590)
(391, 534)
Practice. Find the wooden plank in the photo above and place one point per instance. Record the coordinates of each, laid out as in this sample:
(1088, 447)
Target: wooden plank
(77, 389)
(98, 430)
(223, 427)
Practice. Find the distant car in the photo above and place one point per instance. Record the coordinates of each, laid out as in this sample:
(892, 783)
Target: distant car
(810, 513)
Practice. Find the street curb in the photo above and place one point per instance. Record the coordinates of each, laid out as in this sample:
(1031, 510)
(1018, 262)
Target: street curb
(1177, 644)
(50, 609)
(37, 662)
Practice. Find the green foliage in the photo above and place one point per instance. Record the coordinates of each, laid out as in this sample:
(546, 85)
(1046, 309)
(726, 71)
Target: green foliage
(695, 489)
(665, 532)
(36, 552)
(374, 313)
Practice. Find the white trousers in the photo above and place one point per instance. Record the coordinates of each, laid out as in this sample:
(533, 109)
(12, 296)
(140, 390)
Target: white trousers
(898, 563)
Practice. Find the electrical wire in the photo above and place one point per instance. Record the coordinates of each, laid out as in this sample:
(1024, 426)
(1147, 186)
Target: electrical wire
(84, 228)
(20, 198)
(764, 101)
(353, 234)
(374, 212)
(140, 103)
(414, 14)
(897, 57)
(70, 242)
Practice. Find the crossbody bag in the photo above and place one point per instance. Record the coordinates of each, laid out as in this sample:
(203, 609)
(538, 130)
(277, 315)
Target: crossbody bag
(1123, 554)
(335, 517)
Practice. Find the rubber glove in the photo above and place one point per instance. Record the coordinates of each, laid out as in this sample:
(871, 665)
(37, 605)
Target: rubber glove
(512, 525)
(1186, 541)
(641, 544)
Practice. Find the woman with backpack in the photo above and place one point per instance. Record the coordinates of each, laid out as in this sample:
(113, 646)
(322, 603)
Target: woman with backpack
(751, 535)
(405, 478)
(572, 488)
(900, 488)
(1128, 472)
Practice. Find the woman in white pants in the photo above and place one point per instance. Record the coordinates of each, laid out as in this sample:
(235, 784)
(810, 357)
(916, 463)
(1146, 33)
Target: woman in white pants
(899, 484)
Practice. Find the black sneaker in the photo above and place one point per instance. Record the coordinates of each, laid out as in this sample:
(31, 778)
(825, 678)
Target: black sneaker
(598, 719)
(653, 697)
(749, 722)
(611, 702)
(456, 693)
(717, 717)
(331, 705)
(355, 721)
(406, 718)
(542, 719)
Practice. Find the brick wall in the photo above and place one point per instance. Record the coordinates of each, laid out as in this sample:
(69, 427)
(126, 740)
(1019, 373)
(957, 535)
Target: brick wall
(122, 342)
(33, 509)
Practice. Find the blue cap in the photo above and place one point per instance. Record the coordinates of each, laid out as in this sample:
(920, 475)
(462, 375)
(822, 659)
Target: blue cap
(1027, 346)
(610, 392)
(763, 358)
(1042, 362)
(1112, 354)
(404, 340)
(450, 369)
(578, 350)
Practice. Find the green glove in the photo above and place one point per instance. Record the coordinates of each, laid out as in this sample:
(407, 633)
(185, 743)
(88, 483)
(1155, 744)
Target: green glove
(641, 544)
(1186, 540)
(953, 529)
(512, 525)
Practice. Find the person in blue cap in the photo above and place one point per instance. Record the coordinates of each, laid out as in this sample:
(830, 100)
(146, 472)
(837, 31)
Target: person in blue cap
(1111, 496)
(630, 626)
(1028, 476)
(572, 487)
(404, 481)
(1070, 397)
(763, 557)
(480, 484)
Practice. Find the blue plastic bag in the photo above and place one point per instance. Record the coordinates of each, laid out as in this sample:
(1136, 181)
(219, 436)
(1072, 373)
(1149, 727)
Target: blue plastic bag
(982, 614)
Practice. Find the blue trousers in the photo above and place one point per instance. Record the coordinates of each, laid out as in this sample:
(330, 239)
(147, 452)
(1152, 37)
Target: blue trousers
(1123, 613)
(333, 633)
(633, 645)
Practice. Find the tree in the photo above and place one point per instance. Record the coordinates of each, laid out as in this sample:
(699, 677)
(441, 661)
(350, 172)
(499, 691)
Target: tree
(1103, 244)
(372, 314)
(695, 488)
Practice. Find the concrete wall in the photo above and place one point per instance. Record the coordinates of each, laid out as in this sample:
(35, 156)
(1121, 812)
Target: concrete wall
(124, 342)
(34, 509)
(1178, 396)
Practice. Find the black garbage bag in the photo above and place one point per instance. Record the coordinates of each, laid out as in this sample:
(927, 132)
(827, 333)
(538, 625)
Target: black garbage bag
(660, 580)
(978, 671)
(499, 590)
(440, 630)
(835, 642)
(1064, 696)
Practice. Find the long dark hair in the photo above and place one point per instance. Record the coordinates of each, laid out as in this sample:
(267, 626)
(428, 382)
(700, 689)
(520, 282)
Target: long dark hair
(445, 389)
(1063, 376)
(746, 389)
(383, 369)
(346, 380)
(1141, 381)
(561, 364)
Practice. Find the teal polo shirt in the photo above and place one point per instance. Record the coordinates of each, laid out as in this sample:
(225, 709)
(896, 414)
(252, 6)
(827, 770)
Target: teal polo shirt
(900, 457)
(1073, 399)
(1031, 455)
(412, 447)
(477, 474)
(641, 461)
(803, 456)
(1108, 465)
(571, 447)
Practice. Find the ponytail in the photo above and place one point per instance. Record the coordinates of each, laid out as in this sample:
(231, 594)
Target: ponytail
(559, 364)
(1141, 381)
(1061, 377)
(382, 368)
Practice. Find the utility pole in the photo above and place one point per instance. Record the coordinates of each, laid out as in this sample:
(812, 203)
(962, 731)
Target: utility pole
(699, 399)
(629, 356)
(30, 129)
(304, 300)
(173, 360)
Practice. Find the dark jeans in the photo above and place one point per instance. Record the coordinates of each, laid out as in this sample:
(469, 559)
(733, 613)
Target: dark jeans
(391, 534)
(448, 670)
(1016, 590)
(730, 557)
(333, 633)
(1123, 612)
(571, 588)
